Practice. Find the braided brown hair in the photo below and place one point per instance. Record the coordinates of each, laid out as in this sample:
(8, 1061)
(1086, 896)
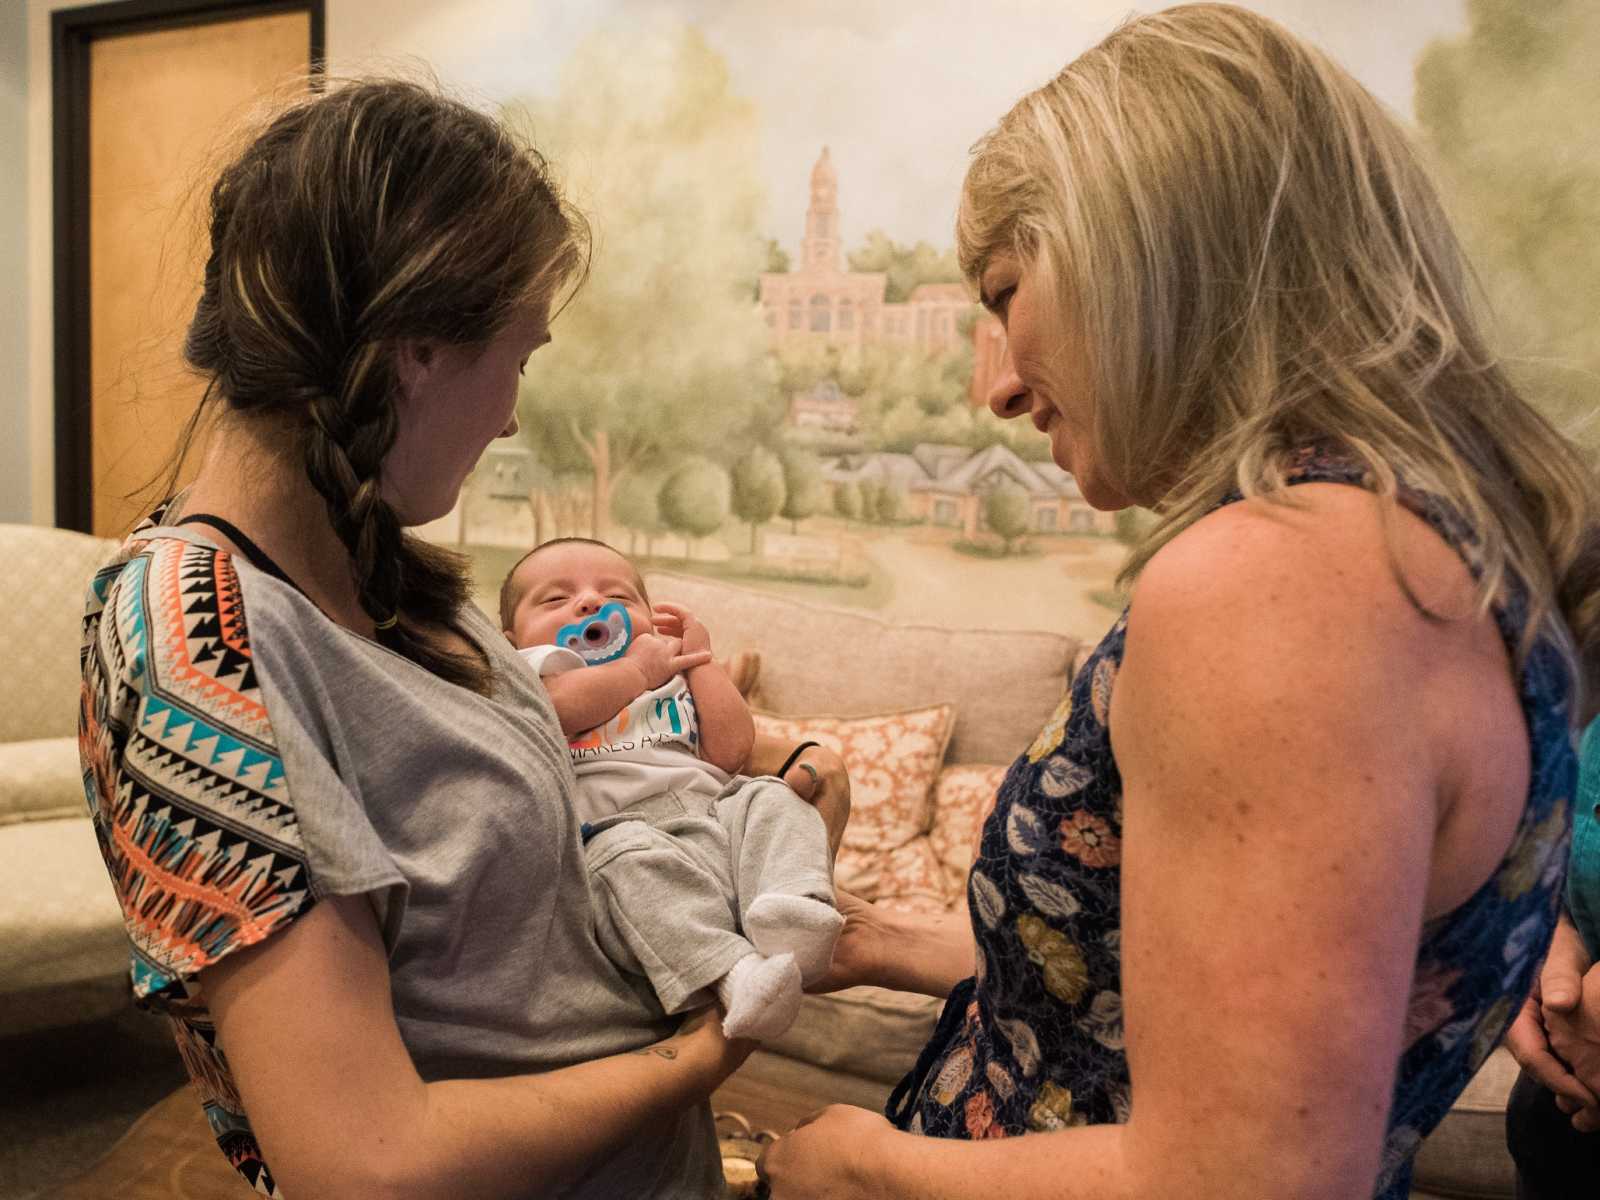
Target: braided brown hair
(375, 212)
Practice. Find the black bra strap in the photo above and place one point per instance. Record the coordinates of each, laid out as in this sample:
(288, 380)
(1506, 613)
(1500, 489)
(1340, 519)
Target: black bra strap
(257, 556)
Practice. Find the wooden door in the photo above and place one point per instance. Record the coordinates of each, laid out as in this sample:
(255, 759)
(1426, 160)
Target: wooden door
(166, 102)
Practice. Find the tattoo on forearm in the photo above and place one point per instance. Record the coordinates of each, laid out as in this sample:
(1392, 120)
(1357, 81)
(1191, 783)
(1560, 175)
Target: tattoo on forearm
(666, 1052)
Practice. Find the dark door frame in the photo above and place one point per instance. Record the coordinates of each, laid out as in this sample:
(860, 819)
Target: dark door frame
(71, 32)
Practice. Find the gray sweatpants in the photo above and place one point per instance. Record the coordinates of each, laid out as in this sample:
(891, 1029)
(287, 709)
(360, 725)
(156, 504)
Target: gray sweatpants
(674, 875)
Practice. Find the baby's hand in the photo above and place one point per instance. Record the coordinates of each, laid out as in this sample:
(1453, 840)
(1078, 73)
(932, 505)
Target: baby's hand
(660, 658)
(676, 621)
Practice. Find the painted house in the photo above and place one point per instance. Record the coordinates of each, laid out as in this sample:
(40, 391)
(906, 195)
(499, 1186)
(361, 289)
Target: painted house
(946, 485)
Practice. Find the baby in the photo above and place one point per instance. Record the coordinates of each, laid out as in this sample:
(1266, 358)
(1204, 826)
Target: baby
(702, 878)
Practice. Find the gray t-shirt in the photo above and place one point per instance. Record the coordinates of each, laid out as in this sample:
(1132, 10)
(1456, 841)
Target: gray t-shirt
(453, 812)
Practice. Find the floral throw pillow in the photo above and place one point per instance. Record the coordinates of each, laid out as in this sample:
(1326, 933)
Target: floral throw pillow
(893, 760)
(962, 798)
(908, 878)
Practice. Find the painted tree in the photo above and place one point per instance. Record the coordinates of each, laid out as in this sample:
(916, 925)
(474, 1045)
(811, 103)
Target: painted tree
(636, 505)
(775, 260)
(906, 266)
(1005, 512)
(805, 491)
(758, 489)
(661, 352)
(777, 257)
(1510, 110)
(890, 503)
(847, 500)
(802, 364)
(694, 499)
(871, 489)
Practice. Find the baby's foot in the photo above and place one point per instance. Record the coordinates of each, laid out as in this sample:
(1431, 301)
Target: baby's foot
(798, 925)
(761, 996)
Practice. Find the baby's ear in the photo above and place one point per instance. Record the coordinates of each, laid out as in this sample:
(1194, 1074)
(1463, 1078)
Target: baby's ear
(510, 637)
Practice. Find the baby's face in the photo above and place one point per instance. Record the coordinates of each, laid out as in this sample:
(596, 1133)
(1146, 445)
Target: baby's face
(570, 583)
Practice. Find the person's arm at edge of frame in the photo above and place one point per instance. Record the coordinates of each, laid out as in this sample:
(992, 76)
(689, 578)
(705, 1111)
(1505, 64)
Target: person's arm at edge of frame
(1243, 1084)
(309, 1073)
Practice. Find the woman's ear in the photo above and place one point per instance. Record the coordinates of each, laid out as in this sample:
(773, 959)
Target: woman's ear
(414, 361)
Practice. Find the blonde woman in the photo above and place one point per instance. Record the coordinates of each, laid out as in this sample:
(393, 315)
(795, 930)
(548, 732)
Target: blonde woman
(1261, 898)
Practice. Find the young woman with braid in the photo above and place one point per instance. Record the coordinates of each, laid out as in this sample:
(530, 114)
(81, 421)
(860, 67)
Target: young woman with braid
(334, 805)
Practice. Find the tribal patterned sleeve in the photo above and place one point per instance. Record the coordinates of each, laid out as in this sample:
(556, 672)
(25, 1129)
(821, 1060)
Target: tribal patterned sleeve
(181, 771)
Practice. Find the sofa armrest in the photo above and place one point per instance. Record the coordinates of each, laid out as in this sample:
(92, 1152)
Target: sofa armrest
(40, 780)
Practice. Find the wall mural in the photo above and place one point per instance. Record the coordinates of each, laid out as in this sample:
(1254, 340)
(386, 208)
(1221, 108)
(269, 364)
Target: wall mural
(775, 374)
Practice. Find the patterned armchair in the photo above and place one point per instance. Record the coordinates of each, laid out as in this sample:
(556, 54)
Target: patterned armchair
(62, 952)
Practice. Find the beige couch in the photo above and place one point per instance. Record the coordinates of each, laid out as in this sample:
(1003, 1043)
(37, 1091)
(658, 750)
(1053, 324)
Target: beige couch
(62, 953)
(853, 1046)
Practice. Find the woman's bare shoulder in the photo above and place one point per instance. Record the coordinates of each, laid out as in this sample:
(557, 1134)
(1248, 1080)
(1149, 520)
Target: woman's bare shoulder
(1330, 554)
(1304, 610)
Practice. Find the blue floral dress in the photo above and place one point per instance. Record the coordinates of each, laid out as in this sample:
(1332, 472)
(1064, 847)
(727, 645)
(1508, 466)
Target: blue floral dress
(1034, 1041)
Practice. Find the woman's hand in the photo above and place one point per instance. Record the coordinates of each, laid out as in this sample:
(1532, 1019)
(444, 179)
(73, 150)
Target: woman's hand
(829, 1156)
(857, 953)
(926, 953)
(818, 776)
(1575, 1037)
(1559, 1002)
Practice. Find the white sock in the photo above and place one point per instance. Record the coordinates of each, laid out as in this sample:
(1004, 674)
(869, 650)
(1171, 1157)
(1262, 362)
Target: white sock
(777, 923)
(761, 996)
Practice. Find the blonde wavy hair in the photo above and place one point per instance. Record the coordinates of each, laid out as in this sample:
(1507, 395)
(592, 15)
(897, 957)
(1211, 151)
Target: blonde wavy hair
(1256, 260)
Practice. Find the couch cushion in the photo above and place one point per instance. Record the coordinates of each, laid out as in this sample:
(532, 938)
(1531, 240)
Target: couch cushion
(1004, 686)
(41, 594)
(40, 780)
(59, 919)
(1466, 1155)
(867, 1031)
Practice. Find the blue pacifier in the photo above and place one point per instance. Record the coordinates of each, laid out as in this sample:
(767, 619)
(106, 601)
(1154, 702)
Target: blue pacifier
(599, 639)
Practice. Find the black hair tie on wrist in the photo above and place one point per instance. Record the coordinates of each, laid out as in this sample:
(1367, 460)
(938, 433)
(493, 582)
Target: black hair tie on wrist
(793, 756)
